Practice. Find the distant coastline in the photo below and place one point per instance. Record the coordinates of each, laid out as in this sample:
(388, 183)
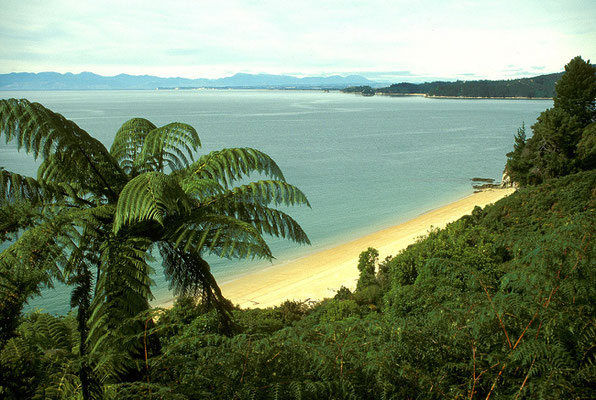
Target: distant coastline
(540, 87)
(456, 97)
(488, 98)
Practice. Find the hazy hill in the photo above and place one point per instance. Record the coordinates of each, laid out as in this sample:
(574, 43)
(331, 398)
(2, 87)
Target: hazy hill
(91, 81)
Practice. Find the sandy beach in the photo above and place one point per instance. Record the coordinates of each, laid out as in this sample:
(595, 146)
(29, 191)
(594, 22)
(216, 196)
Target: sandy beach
(318, 275)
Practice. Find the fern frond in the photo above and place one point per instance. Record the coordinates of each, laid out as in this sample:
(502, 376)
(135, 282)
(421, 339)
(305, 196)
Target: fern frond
(16, 188)
(38, 250)
(44, 133)
(229, 165)
(15, 217)
(188, 274)
(222, 235)
(265, 219)
(201, 189)
(123, 288)
(267, 192)
(128, 142)
(63, 384)
(171, 145)
(151, 196)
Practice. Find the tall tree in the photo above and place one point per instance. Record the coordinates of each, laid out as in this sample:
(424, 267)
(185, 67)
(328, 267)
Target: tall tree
(576, 90)
(562, 140)
(92, 217)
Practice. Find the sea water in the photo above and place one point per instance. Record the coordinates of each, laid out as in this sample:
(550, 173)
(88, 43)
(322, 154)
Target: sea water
(365, 163)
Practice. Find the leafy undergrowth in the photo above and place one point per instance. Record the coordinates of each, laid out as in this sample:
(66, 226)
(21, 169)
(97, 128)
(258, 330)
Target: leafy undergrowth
(499, 303)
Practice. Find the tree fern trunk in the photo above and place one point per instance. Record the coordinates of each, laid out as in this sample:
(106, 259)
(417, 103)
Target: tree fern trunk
(82, 299)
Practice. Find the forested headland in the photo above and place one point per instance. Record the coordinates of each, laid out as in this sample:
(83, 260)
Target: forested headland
(538, 87)
(499, 304)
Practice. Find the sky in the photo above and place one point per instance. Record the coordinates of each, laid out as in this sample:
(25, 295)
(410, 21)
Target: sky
(390, 41)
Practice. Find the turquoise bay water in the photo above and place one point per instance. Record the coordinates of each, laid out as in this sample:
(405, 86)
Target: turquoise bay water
(365, 163)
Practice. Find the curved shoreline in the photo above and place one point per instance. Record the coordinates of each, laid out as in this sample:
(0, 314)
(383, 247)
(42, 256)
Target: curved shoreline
(319, 275)
(429, 96)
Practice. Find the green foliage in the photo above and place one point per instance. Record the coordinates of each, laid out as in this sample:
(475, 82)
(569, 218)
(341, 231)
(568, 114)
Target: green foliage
(363, 90)
(41, 361)
(576, 90)
(499, 304)
(367, 262)
(338, 310)
(92, 217)
(343, 293)
(536, 87)
(563, 139)
(586, 148)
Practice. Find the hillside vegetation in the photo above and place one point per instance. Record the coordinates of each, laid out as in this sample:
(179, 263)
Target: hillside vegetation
(499, 304)
(542, 86)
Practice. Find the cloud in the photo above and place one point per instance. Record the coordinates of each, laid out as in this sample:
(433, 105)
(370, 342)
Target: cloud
(402, 39)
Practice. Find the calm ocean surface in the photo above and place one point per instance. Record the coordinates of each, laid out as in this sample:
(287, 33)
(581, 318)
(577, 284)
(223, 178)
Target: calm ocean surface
(365, 163)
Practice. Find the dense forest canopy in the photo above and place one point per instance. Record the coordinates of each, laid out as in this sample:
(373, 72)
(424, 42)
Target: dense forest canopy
(542, 86)
(499, 304)
(564, 136)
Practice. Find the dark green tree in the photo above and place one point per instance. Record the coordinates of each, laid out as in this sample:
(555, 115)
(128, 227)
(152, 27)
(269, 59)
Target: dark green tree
(586, 148)
(518, 164)
(367, 262)
(562, 142)
(576, 90)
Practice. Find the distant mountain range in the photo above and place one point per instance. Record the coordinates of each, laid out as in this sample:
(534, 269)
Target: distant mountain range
(91, 81)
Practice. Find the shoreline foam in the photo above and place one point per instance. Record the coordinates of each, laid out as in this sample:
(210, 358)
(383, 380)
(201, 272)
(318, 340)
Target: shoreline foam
(320, 274)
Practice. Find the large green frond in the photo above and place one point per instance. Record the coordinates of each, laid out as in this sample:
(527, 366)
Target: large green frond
(250, 202)
(16, 217)
(221, 235)
(46, 332)
(188, 274)
(123, 290)
(267, 192)
(151, 196)
(201, 189)
(229, 165)
(123, 287)
(129, 141)
(16, 188)
(44, 133)
(39, 249)
(95, 221)
(171, 145)
(268, 221)
(51, 245)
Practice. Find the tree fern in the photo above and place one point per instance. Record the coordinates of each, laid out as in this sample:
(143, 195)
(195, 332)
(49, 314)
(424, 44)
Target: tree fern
(128, 143)
(92, 217)
(47, 134)
(172, 145)
(268, 192)
(139, 146)
(150, 196)
(229, 165)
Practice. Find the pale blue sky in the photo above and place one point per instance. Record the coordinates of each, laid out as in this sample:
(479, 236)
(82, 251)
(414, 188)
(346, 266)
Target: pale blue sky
(387, 40)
